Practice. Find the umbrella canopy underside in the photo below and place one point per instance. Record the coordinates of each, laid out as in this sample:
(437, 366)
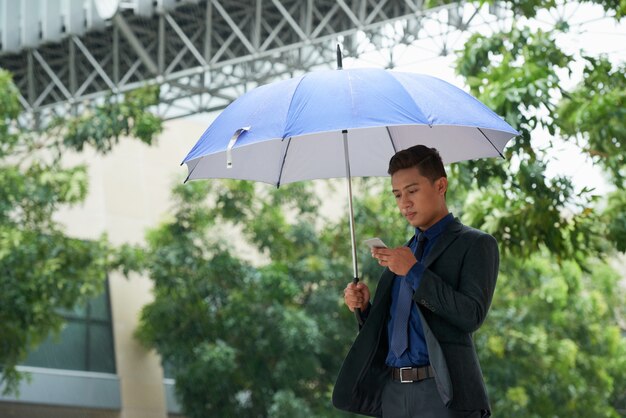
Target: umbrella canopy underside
(282, 161)
(293, 128)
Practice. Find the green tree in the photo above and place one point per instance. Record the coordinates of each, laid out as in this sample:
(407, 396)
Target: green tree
(41, 268)
(243, 340)
(552, 345)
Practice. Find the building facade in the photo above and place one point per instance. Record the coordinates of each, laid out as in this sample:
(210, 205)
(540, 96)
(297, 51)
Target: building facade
(96, 368)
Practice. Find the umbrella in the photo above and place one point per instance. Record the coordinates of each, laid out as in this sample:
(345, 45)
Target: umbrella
(348, 123)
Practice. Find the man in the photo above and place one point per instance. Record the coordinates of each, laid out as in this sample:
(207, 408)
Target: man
(414, 355)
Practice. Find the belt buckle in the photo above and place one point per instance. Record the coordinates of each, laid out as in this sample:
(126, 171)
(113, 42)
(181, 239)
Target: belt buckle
(402, 377)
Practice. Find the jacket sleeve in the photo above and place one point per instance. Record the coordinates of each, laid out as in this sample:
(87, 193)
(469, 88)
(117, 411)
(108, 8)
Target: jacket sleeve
(467, 306)
(364, 315)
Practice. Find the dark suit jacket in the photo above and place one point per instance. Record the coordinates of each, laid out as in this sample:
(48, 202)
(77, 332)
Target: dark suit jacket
(453, 298)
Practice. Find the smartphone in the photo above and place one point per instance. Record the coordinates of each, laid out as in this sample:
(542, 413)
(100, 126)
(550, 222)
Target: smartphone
(375, 243)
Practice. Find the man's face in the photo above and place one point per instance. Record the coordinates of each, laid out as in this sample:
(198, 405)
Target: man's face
(420, 201)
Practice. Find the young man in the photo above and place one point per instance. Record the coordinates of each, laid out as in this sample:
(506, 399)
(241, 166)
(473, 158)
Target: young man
(414, 355)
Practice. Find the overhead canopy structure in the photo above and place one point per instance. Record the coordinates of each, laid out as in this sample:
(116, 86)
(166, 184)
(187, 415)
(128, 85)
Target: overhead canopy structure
(203, 53)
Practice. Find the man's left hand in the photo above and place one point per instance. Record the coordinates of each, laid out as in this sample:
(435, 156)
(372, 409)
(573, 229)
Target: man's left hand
(399, 260)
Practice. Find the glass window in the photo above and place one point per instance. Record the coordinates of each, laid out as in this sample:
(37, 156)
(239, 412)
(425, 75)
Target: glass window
(100, 352)
(168, 370)
(99, 309)
(85, 342)
(64, 352)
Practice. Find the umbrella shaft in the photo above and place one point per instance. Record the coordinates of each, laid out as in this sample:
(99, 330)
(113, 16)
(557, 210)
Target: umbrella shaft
(349, 178)
(357, 311)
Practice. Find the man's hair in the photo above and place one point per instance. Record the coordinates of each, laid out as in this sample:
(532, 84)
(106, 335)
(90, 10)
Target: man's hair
(426, 160)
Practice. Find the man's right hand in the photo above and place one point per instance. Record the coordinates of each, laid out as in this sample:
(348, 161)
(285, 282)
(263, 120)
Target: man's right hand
(357, 296)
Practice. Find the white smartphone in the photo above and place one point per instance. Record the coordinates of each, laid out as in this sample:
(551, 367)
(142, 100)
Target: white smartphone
(375, 243)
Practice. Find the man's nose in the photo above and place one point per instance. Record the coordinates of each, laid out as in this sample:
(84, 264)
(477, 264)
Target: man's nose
(405, 202)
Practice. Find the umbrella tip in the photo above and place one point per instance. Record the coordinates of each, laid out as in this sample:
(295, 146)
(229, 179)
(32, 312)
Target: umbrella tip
(339, 63)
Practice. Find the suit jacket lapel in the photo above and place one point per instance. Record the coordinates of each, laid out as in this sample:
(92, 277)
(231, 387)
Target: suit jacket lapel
(447, 237)
(435, 352)
(384, 286)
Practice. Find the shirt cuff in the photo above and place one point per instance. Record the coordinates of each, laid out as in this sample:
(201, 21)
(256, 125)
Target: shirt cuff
(414, 275)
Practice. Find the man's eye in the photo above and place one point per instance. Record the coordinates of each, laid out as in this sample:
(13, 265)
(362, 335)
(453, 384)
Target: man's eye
(397, 196)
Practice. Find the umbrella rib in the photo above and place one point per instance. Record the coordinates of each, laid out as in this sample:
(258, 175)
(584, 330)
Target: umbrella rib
(391, 139)
(280, 174)
(487, 138)
(192, 170)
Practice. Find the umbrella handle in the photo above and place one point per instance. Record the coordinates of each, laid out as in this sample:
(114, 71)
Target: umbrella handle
(357, 311)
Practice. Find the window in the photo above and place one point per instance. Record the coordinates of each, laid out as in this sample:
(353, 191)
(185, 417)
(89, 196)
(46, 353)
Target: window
(168, 370)
(85, 342)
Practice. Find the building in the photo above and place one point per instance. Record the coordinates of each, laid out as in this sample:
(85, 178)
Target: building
(97, 369)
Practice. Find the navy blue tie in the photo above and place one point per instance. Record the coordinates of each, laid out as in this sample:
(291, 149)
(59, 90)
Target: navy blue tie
(400, 335)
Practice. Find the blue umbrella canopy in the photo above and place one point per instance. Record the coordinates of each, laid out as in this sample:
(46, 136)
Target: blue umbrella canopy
(291, 130)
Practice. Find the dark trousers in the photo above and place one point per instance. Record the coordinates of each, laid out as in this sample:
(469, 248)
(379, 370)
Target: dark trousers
(418, 400)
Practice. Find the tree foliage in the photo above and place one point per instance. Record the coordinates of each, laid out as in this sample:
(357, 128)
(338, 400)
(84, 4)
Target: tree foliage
(41, 268)
(554, 343)
(593, 114)
(258, 336)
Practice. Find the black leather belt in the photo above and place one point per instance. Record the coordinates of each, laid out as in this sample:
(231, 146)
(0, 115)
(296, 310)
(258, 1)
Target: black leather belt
(412, 374)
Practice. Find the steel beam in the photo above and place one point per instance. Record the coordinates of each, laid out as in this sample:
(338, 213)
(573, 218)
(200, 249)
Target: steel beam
(123, 26)
(207, 52)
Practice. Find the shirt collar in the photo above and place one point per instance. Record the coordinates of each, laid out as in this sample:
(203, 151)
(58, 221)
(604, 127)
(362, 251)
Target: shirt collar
(436, 230)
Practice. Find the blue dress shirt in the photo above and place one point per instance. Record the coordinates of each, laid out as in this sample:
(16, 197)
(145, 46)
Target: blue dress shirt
(417, 353)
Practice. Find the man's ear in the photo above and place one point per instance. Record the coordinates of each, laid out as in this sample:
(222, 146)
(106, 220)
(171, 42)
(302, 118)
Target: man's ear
(442, 186)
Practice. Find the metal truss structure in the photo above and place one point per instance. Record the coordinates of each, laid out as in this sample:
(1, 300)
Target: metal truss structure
(205, 53)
